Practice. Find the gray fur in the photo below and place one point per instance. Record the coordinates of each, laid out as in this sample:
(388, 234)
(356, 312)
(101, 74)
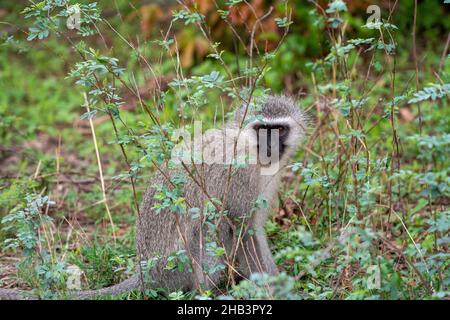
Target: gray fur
(159, 234)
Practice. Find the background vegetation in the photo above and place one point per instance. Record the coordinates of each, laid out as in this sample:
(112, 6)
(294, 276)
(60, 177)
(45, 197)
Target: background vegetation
(368, 194)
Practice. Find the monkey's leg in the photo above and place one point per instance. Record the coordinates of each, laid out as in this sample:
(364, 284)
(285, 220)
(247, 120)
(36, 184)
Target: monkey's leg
(264, 254)
(254, 255)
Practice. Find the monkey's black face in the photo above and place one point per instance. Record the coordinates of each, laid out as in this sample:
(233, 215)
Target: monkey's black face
(272, 139)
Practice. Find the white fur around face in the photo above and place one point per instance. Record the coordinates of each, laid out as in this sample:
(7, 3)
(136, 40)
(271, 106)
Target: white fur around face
(295, 130)
(296, 134)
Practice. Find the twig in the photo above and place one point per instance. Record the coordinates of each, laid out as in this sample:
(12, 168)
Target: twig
(416, 64)
(100, 170)
(444, 53)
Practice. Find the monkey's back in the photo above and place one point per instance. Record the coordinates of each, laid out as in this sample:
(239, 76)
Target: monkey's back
(163, 233)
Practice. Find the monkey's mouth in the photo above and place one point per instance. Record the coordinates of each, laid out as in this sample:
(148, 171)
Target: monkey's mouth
(271, 142)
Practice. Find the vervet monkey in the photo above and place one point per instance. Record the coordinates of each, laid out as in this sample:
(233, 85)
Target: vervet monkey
(238, 189)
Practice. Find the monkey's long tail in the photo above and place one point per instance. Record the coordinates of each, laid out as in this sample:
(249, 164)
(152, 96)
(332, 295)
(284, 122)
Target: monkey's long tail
(14, 294)
(123, 287)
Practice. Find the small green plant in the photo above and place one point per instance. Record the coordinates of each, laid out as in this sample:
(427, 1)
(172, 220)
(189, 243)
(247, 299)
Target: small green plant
(42, 272)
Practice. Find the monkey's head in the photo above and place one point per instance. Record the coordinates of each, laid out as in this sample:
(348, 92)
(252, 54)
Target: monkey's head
(277, 125)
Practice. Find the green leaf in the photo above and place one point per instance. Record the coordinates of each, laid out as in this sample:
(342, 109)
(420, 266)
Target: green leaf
(336, 6)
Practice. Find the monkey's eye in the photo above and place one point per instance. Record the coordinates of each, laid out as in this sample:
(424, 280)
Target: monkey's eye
(281, 130)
